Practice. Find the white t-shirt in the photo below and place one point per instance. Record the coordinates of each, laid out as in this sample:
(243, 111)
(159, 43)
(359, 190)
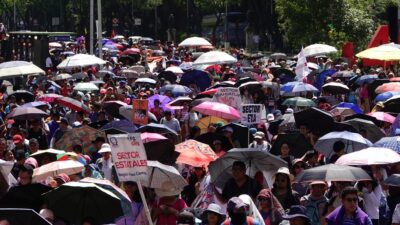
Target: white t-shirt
(192, 119)
(173, 124)
(396, 214)
(49, 63)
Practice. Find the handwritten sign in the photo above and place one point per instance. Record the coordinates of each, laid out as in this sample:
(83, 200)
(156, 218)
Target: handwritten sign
(229, 96)
(129, 156)
(139, 111)
(251, 113)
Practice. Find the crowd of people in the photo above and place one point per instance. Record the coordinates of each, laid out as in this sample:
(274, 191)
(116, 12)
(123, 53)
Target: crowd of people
(244, 198)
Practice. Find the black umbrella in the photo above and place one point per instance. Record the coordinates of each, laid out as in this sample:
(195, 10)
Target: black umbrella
(243, 81)
(372, 86)
(156, 128)
(364, 117)
(392, 105)
(25, 95)
(209, 138)
(298, 144)
(333, 172)
(282, 71)
(22, 217)
(318, 121)
(274, 126)
(25, 113)
(199, 101)
(240, 133)
(167, 75)
(162, 151)
(393, 180)
(112, 108)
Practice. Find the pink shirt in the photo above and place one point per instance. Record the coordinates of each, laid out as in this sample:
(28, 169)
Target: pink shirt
(170, 219)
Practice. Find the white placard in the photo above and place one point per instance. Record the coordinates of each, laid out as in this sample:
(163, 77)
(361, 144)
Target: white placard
(229, 96)
(251, 113)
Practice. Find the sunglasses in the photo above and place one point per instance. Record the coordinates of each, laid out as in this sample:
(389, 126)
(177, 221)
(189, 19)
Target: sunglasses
(351, 199)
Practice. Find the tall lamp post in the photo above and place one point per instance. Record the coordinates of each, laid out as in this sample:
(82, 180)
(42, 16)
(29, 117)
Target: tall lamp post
(99, 29)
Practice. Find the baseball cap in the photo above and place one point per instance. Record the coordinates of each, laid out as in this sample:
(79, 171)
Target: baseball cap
(270, 117)
(259, 135)
(235, 203)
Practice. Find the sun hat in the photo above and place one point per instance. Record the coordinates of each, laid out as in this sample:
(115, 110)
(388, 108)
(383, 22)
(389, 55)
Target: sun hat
(259, 135)
(185, 217)
(214, 208)
(105, 148)
(284, 170)
(167, 189)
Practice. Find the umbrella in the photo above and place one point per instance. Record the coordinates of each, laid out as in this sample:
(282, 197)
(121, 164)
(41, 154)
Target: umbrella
(24, 113)
(218, 109)
(50, 154)
(86, 86)
(252, 86)
(159, 173)
(167, 75)
(195, 153)
(370, 156)
(209, 138)
(102, 73)
(298, 101)
(382, 52)
(333, 172)
(62, 76)
(131, 51)
(19, 68)
(23, 94)
(351, 106)
(342, 112)
(343, 74)
(118, 127)
(22, 217)
(255, 161)
(175, 69)
(214, 57)
(392, 104)
(318, 121)
(52, 169)
(138, 69)
(318, 49)
(164, 100)
(24, 196)
(385, 96)
(72, 104)
(162, 151)
(243, 80)
(112, 107)
(297, 143)
(204, 122)
(335, 88)
(194, 41)
(352, 141)
(278, 55)
(150, 137)
(296, 86)
(79, 75)
(75, 201)
(393, 86)
(80, 60)
(382, 116)
(176, 89)
(78, 136)
(198, 77)
(180, 101)
(240, 133)
(393, 180)
(156, 128)
(145, 80)
(389, 142)
(283, 72)
(364, 117)
(373, 132)
(126, 112)
(49, 97)
(366, 79)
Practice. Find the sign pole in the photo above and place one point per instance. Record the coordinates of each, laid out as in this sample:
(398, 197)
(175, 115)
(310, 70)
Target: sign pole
(146, 207)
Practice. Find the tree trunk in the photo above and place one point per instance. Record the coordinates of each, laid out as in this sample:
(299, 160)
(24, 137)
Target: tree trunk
(214, 30)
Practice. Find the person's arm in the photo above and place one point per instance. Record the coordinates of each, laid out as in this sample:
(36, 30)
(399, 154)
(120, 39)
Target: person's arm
(219, 196)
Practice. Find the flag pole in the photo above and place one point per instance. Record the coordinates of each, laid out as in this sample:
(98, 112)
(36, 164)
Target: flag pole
(146, 207)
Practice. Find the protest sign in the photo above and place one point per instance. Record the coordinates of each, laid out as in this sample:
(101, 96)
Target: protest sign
(139, 111)
(129, 156)
(229, 96)
(251, 113)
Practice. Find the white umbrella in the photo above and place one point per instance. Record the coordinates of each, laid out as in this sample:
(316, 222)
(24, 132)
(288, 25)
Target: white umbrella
(318, 49)
(62, 76)
(353, 142)
(370, 156)
(145, 80)
(194, 41)
(68, 167)
(55, 45)
(159, 173)
(128, 73)
(80, 60)
(312, 66)
(19, 68)
(86, 86)
(215, 57)
(175, 69)
(79, 75)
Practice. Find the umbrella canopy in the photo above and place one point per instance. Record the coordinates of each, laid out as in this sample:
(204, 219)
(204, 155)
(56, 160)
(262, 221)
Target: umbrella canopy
(382, 52)
(86, 86)
(385, 96)
(124, 126)
(336, 88)
(195, 153)
(159, 173)
(23, 94)
(318, 49)
(176, 90)
(392, 104)
(366, 79)
(25, 113)
(218, 109)
(126, 112)
(209, 138)
(80, 60)
(297, 143)
(370, 156)
(24, 196)
(318, 121)
(393, 180)
(131, 51)
(149, 137)
(240, 133)
(204, 122)
(156, 128)
(62, 76)
(49, 97)
(198, 77)
(48, 154)
(298, 101)
(389, 142)
(382, 116)
(255, 160)
(393, 86)
(145, 80)
(352, 141)
(112, 107)
(22, 216)
(180, 101)
(164, 100)
(72, 104)
(80, 75)
(295, 87)
(19, 68)
(167, 75)
(333, 172)
(373, 132)
(351, 106)
(162, 151)
(214, 57)
(78, 136)
(102, 73)
(52, 169)
(342, 112)
(194, 41)
(76, 201)
(175, 69)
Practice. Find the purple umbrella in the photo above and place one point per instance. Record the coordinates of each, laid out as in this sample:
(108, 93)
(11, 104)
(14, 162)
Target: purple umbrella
(164, 100)
(24, 113)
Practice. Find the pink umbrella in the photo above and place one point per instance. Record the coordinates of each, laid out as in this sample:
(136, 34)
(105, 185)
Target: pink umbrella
(370, 156)
(393, 86)
(149, 137)
(49, 97)
(218, 109)
(382, 116)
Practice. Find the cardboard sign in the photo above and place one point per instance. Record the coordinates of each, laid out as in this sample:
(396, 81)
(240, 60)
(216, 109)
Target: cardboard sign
(129, 156)
(251, 113)
(229, 96)
(139, 112)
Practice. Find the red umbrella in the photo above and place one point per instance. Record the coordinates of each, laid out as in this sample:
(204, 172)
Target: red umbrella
(72, 104)
(49, 97)
(131, 51)
(210, 91)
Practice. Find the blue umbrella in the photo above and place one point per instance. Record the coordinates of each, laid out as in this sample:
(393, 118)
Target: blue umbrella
(296, 86)
(125, 126)
(34, 104)
(200, 78)
(176, 89)
(385, 96)
(366, 79)
(351, 106)
(389, 142)
(320, 79)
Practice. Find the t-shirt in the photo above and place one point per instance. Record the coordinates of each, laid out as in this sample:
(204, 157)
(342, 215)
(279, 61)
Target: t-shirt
(170, 219)
(231, 189)
(173, 124)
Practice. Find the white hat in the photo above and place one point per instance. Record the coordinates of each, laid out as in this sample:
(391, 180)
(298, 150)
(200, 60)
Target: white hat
(289, 111)
(270, 117)
(105, 148)
(284, 170)
(259, 135)
(167, 189)
(215, 209)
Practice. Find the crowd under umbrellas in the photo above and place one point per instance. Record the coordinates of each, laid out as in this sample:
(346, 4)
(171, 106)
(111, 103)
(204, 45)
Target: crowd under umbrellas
(228, 136)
